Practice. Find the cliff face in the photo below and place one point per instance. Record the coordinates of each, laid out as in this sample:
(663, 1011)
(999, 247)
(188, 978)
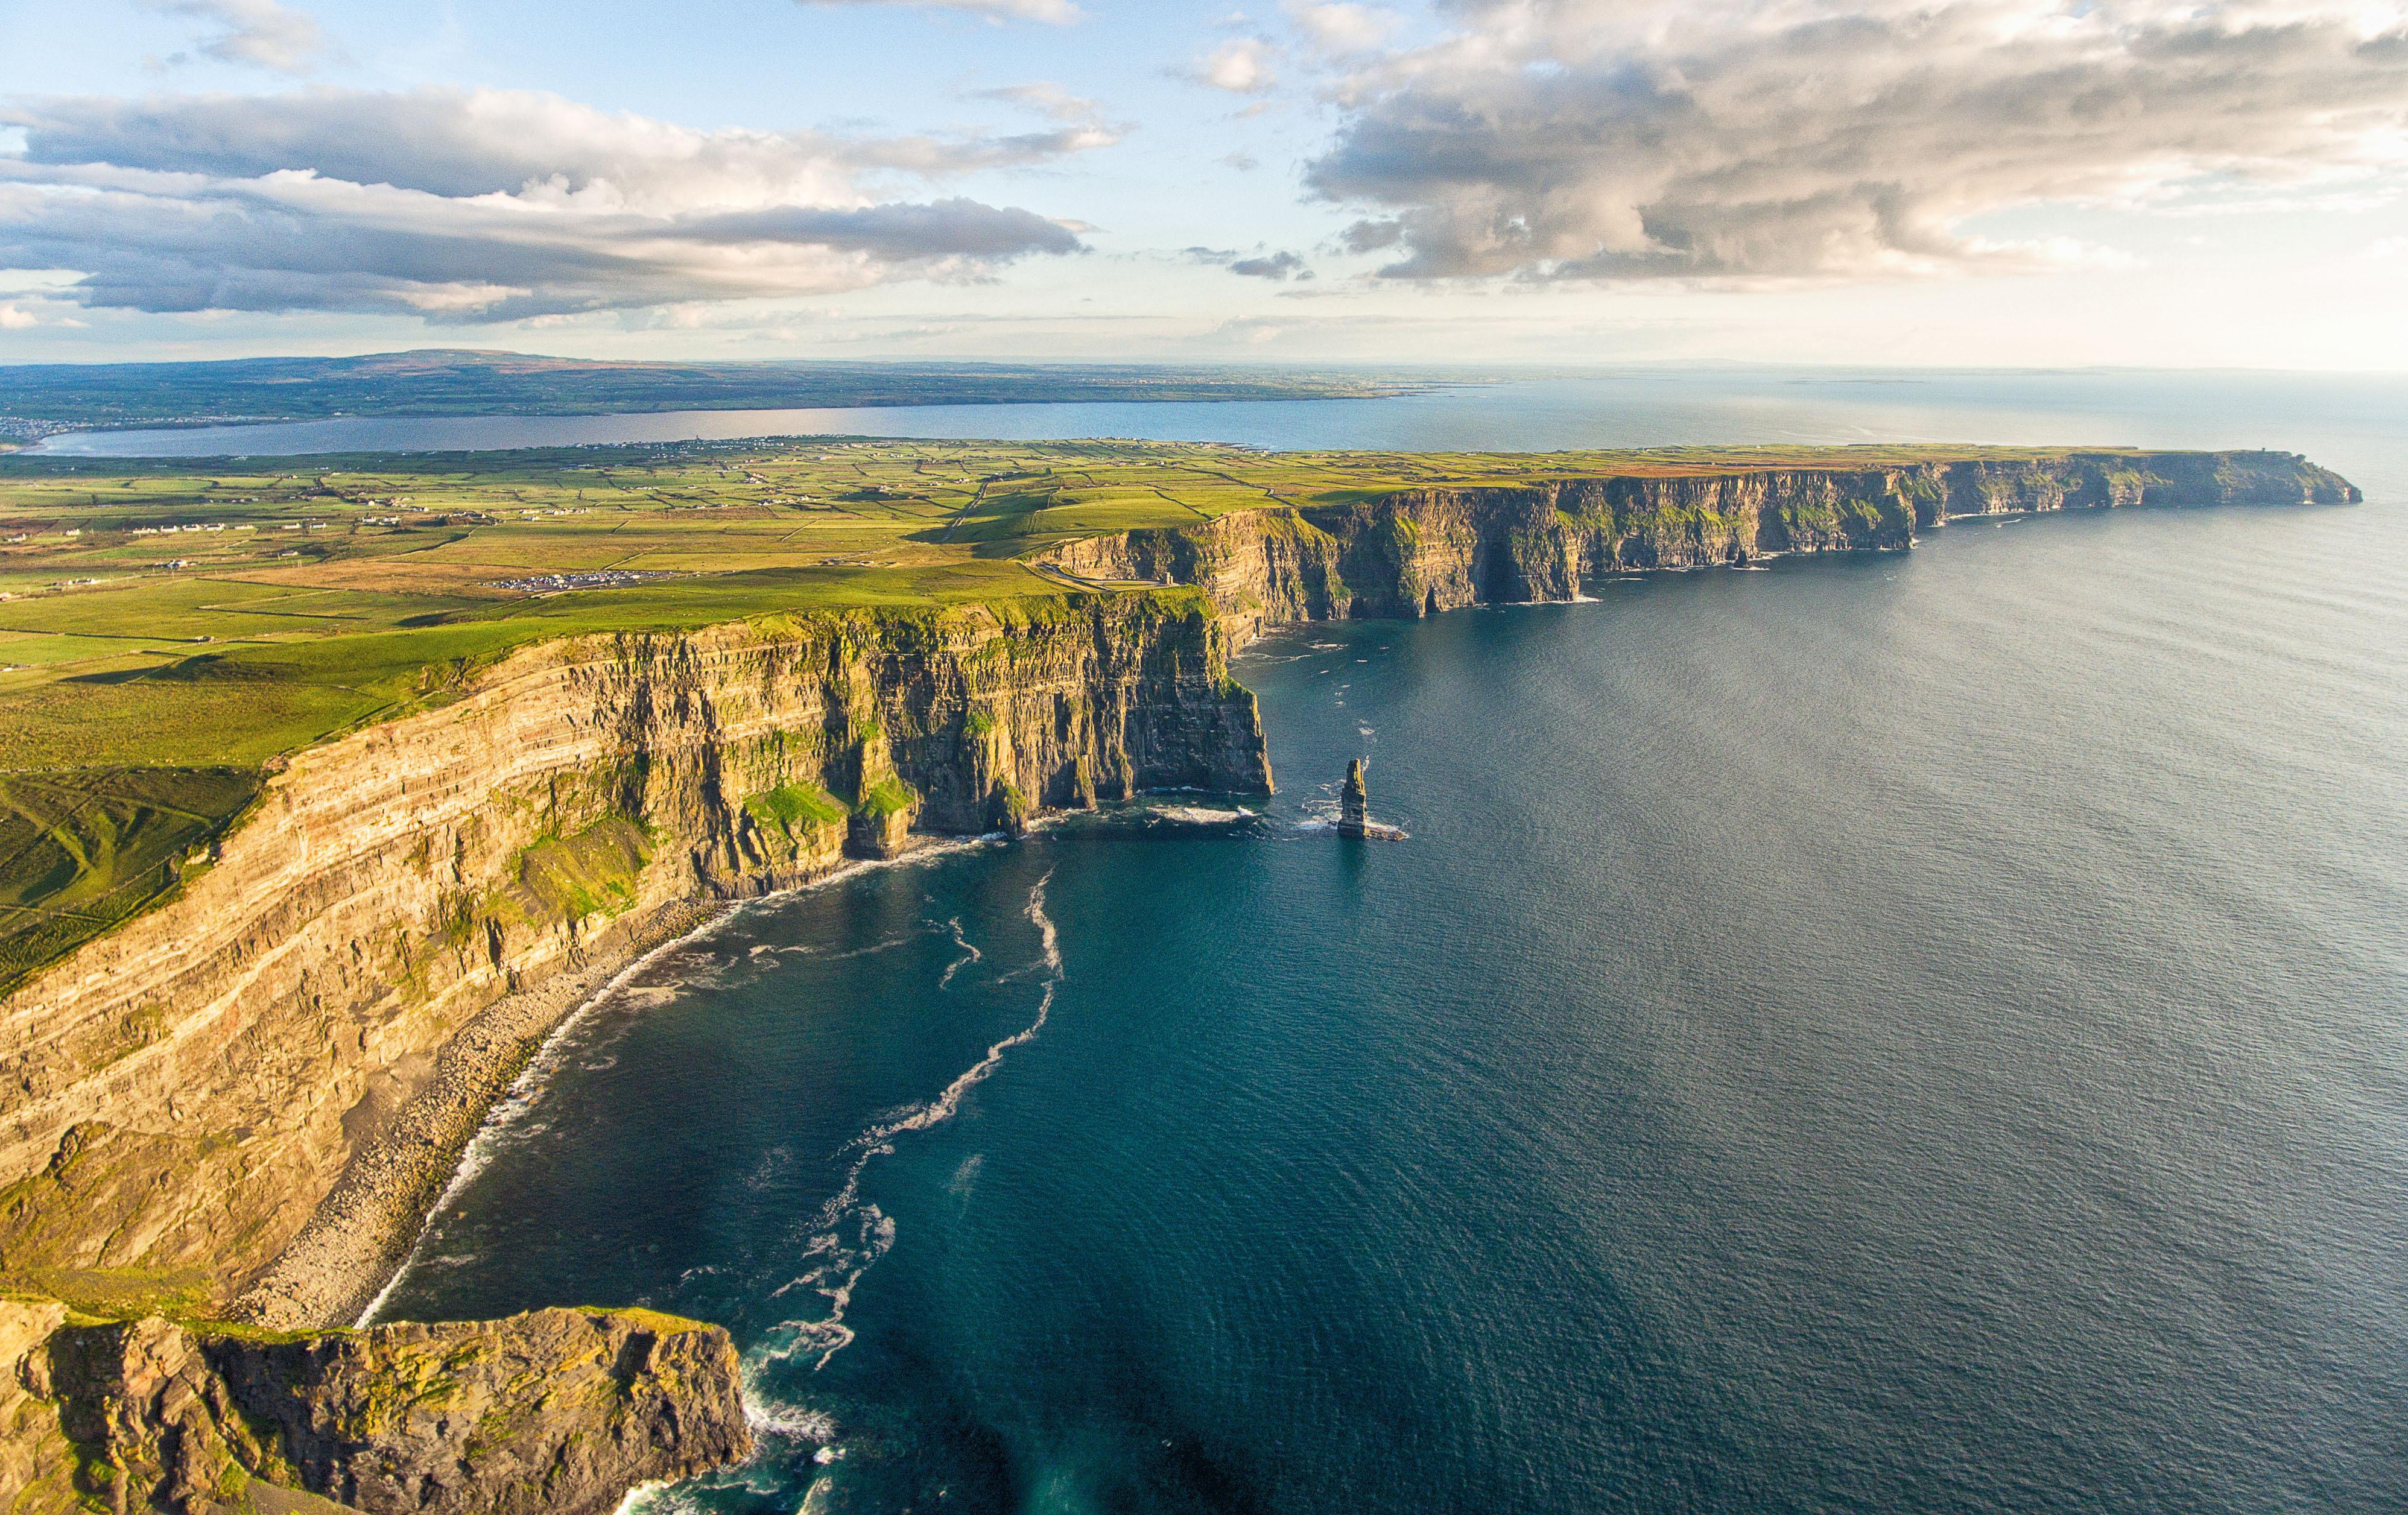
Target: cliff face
(176, 1097)
(557, 1412)
(408, 909)
(34, 1453)
(1420, 551)
(2109, 480)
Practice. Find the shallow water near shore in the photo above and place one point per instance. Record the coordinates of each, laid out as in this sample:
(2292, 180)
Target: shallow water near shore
(1907, 1033)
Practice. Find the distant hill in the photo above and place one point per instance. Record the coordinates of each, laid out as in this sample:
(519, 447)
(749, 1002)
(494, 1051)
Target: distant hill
(39, 399)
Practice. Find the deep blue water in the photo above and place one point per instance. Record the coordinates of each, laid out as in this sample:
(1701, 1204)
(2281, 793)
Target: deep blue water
(1900, 1033)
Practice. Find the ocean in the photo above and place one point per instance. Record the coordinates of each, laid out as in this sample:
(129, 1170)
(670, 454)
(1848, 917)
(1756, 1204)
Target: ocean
(1904, 1033)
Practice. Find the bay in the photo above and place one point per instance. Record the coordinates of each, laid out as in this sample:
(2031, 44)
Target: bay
(1903, 1033)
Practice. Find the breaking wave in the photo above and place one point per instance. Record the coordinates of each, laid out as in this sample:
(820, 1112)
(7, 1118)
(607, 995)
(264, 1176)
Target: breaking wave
(969, 953)
(510, 1117)
(850, 1233)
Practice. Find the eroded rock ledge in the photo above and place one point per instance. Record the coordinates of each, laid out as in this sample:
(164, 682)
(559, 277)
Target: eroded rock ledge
(558, 1411)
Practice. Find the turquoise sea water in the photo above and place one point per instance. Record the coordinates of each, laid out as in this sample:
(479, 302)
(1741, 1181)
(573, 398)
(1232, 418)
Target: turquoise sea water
(1901, 1033)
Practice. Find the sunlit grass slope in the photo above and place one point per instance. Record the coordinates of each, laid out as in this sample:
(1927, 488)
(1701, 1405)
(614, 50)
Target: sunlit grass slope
(164, 633)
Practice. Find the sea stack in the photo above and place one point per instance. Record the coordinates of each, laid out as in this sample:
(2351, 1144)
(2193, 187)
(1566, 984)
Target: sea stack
(1354, 805)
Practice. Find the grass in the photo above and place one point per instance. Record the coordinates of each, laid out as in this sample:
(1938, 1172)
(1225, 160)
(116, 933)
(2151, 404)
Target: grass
(888, 797)
(167, 632)
(81, 851)
(806, 805)
(578, 877)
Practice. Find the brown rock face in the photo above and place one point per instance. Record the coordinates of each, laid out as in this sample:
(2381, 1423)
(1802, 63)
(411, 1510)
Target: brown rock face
(31, 1449)
(177, 1096)
(1355, 802)
(877, 835)
(1419, 551)
(558, 1411)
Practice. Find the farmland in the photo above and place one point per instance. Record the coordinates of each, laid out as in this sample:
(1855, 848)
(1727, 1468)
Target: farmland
(166, 635)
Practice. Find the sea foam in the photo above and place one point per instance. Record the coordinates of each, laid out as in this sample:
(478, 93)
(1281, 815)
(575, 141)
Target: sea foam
(850, 1233)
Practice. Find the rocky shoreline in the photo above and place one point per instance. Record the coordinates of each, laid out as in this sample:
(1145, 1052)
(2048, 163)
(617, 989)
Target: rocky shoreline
(1418, 552)
(364, 1231)
(311, 1018)
(354, 1247)
(271, 1081)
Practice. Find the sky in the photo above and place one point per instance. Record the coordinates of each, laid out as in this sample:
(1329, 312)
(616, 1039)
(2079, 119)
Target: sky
(1868, 183)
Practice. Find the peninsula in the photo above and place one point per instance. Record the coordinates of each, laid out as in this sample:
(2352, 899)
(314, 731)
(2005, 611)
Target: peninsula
(39, 400)
(334, 788)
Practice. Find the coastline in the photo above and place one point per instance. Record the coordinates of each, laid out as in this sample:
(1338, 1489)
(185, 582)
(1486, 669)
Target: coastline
(706, 717)
(351, 1251)
(354, 1249)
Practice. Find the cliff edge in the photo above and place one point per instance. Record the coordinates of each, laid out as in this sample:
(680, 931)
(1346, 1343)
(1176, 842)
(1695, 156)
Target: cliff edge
(1417, 552)
(559, 1412)
(245, 1100)
(407, 910)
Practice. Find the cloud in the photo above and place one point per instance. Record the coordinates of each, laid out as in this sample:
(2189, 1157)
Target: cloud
(1082, 123)
(1280, 266)
(1242, 66)
(481, 206)
(1342, 29)
(1752, 138)
(14, 319)
(259, 33)
(1047, 99)
(1053, 12)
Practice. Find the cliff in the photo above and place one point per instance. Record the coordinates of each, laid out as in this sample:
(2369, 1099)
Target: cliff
(409, 909)
(559, 1412)
(246, 1099)
(1420, 551)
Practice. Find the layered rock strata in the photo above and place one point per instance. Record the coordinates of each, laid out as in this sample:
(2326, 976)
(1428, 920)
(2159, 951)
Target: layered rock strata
(558, 1411)
(176, 1097)
(1420, 551)
(327, 1011)
(1355, 802)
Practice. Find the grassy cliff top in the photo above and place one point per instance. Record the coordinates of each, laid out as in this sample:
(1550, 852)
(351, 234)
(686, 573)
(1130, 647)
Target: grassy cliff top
(215, 615)
(165, 631)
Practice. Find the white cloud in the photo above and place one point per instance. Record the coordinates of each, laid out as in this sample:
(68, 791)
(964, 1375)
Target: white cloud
(1742, 138)
(1047, 99)
(260, 33)
(460, 206)
(1344, 29)
(14, 319)
(1243, 65)
(1082, 120)
(1053, 12)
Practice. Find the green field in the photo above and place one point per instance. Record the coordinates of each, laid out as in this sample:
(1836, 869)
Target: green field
(166, 632)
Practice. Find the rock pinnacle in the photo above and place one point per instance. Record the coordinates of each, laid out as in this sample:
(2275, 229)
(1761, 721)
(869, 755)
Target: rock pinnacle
(1354, 805)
